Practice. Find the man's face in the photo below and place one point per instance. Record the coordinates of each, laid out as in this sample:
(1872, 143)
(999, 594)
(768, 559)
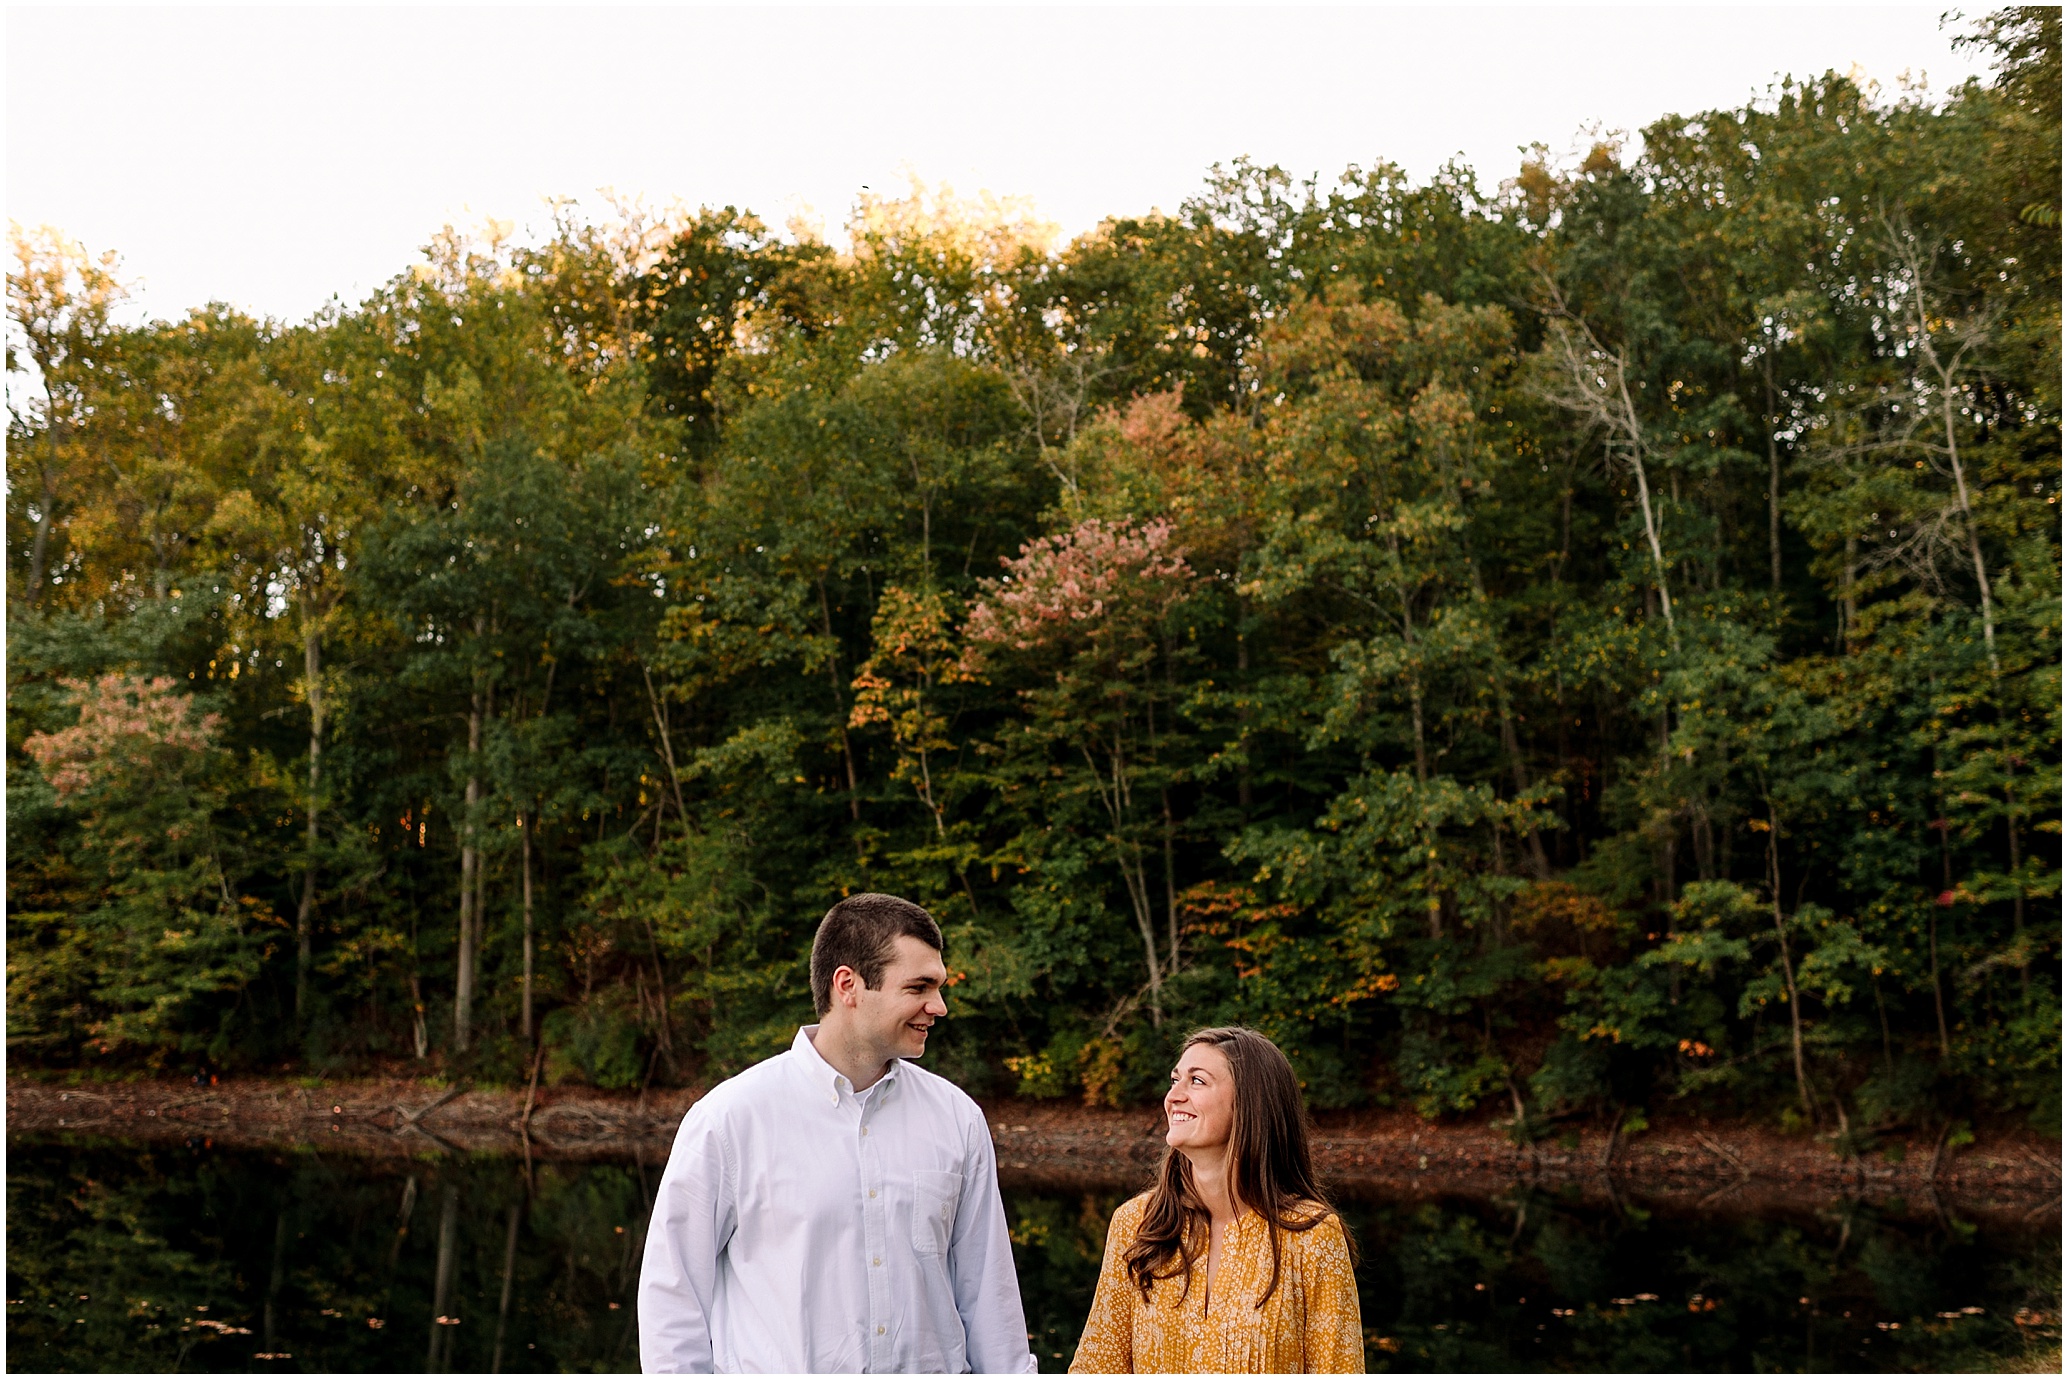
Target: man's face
(896, 1014)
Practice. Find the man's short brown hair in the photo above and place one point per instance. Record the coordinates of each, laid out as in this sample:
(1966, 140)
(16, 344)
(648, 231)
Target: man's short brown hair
(861, 932)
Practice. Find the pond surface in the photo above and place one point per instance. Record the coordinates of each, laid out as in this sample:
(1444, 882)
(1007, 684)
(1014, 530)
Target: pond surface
(122, 1257)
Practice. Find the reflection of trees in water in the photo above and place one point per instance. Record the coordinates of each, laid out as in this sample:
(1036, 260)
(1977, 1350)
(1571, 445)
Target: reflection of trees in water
(1536, 1283)
(502, 1310)
(1058, 1241)
(201, 1259)
(97, 1277)
(438, 1357)
(178, 1253)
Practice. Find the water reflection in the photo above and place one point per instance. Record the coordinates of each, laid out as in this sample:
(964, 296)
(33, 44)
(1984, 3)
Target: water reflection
(1540, 1282)
(124, 1258)
(158, 1259)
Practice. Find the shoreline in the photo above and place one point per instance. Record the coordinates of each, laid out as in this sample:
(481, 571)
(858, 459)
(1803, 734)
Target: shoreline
(1690, 1163)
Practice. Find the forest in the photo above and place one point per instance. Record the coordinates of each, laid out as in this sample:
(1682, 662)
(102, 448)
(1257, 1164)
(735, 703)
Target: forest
(1573, 647)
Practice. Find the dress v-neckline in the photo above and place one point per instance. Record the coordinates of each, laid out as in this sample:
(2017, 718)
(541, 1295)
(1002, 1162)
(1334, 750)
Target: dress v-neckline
(1215, 1257)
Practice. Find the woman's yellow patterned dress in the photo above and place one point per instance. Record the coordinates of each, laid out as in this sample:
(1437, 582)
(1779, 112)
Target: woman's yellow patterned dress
(1310, 1324)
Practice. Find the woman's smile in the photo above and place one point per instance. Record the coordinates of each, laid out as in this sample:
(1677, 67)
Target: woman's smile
(1200, 1105)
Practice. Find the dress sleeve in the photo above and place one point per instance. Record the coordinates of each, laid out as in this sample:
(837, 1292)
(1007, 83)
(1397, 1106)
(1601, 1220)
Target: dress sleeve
(1335, 1326)
(1108, 1344)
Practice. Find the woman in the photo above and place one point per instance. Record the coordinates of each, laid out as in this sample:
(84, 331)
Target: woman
(1233, 1262)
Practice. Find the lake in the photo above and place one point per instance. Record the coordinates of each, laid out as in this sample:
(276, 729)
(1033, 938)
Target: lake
(163, 1258)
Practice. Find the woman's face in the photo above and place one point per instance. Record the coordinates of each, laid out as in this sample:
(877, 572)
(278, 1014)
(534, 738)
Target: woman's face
(1200, 1105)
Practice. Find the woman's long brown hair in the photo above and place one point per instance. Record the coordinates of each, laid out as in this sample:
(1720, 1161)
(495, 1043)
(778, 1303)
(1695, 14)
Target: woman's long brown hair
(1270, 1167)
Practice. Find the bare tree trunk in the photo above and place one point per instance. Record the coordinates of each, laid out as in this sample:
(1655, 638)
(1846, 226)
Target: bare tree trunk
(1651, 526)
(1946, 876)
(1703, 834)
(1511, 743)
(1583, 390)
(940, 817)
(470, 866)
(305, 914)
(1414, 702)
(2018, 904)
(1669, 853)
(660, 721)
(419, 1036)
(524, 826)
(1242, 779)
(925, 521)
(1170, 877)
(1974, 536)
(1888, 1046)
(1773, 477)
(480, 911)
(660, 991)
(1114, 795)
(39, 550)
(1773, 856)
(1414, 689)
(1565, 533)
(1138, 893)
(1414, 699)
(1916, 258)
(1414, 695)
(854, 799)
(1848, 614)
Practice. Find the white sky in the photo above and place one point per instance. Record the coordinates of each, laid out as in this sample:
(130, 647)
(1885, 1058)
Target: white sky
(272, 157)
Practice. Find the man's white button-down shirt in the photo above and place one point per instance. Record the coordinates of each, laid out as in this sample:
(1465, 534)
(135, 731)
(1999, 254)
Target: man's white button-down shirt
(800, 1228)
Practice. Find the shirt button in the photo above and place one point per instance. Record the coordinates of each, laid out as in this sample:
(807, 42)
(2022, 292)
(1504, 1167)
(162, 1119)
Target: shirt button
(877, 1260)
(879, 1329)
(834, 1097)
(872, 1193)
(865, 1130)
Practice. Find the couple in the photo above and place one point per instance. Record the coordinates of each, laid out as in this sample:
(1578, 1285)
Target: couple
(835, 1208)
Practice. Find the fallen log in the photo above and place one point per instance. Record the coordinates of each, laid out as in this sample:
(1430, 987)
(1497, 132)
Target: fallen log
(412, 1118)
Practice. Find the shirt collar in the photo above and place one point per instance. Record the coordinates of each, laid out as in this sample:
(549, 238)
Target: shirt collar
(822, 1075)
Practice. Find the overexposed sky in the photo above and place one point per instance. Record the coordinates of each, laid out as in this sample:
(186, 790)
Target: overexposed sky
(274, 156)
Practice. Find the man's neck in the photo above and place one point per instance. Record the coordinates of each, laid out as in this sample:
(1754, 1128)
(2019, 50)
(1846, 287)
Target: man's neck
(861, 1065)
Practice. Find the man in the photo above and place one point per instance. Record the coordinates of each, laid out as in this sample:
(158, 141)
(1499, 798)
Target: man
(836, 1208)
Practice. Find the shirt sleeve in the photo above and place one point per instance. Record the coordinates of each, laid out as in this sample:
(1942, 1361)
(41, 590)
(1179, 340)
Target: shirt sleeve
(1335, 1325)
(1107, 1346)
(980, 1265)
(693, 1218)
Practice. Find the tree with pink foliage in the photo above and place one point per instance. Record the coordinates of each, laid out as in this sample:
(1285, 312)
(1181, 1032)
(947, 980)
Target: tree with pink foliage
(1072, 581)
(122, 720)
(1086, 617)
(150, 787)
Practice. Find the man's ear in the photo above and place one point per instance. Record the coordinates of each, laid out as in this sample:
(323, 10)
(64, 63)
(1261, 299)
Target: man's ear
(847, 983)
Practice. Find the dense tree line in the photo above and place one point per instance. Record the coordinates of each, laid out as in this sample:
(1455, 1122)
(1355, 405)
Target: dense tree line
(1561, 647)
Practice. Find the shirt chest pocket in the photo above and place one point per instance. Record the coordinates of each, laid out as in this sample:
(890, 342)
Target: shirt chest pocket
(935, 1195)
